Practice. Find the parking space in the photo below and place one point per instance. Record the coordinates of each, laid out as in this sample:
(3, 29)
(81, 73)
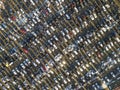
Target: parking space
(59, 44)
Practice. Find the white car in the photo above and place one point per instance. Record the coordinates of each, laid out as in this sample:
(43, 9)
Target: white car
(65, 39)
(49, 10)
(48, 32)
(14, 72)
(37, 10)
(86, 42)
(1, 27)
(10, 20)
(68, 36)
(66, 30)
(38, 19)
(70, 48)
(29, 26)
(109, 46)
(55, 37)
(83, 26)
(22, 11)
(7, 85)
(104, 29)
(12, 37)
(107, 6)
(75, 52)
(54, 46)
(50, 42)
(89, 41)
(35, 22)
(28, 61)
(57, 3)
(65, 81)
(51, 63)
(1, 48)
(76, 9)
(34, 43)
(35, 13)
(107, 79)
(60, 1)
(34, 64)
(22, 65)
(49, 50)
(22, 20)
(117, 39)
(104, 9)
(52, 28)
(107, 49)
(17, 70)
(67, 16)
(80, 39)
(101, 31)
(37, 40)
(17, 36)
(77, 30)
(92, 17)
(32, 2)
(34, 34)
(74, 32)
(62, 33)
(95, 15)
(47, 67)
(20, 87)
(113, 74)
(65, 51)
(85, 23)
(26, 28)
(58, 57)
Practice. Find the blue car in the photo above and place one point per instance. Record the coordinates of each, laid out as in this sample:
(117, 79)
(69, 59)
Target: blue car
(12, 51)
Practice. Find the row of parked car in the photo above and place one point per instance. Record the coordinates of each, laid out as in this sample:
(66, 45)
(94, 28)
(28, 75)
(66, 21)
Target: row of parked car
(67, 45)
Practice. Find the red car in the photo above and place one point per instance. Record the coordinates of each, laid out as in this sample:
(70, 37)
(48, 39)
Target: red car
(23, 31)
(25, 50)
(13, 18)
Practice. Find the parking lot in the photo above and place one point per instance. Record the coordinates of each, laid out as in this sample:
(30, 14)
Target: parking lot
(59, 44)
